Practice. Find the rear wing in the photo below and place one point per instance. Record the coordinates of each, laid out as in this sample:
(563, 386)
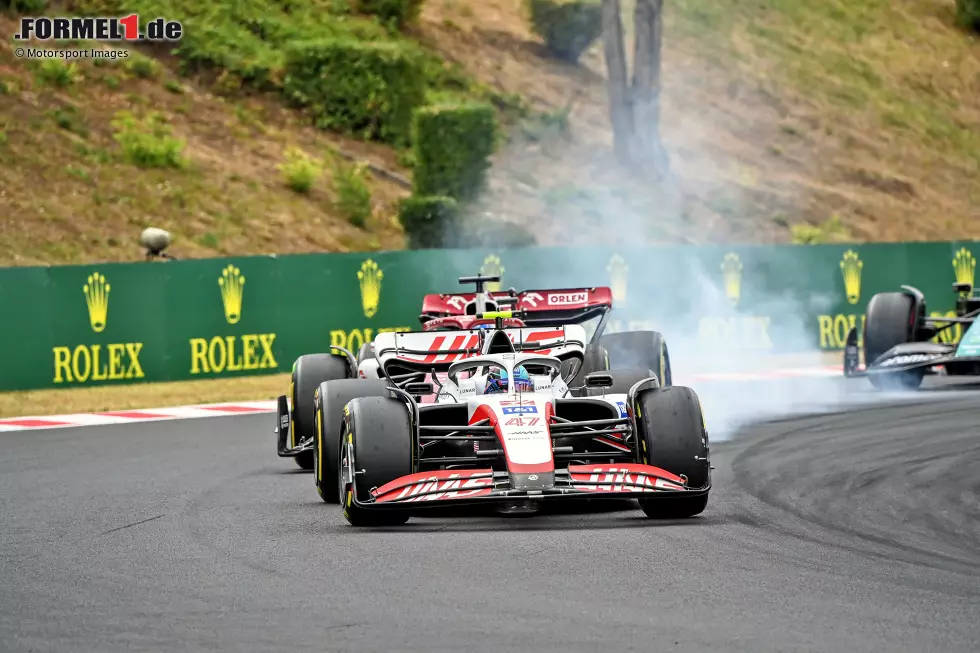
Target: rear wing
(437, 350)
(544, 305)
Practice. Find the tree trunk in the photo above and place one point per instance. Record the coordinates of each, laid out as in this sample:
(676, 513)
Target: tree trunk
(648, 149)
(620, 105)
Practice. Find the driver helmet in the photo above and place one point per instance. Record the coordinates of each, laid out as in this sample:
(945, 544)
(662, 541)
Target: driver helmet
(497, 380)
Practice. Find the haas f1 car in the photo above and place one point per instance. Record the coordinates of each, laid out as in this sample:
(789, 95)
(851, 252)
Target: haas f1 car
(445, 314)
(588, 307)
(487, 416)
(897, 334)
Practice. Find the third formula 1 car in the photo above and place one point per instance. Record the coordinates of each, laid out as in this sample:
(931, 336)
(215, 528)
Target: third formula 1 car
(898, 351)
(501, 427)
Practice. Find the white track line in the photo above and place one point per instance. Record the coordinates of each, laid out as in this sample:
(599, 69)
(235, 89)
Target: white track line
(251, 407)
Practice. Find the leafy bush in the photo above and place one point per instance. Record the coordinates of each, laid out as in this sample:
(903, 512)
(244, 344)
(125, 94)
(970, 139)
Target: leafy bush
(142, 66)
(968, 14)
(428, 220)
(568, 27)
(452, 146)
(57, 72)
(147, 142)
(367, 88)
(398, 12)
(300, 170)
(353, 195)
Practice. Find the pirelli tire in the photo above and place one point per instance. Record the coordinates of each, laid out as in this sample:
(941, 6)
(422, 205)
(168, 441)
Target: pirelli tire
(673, 437)
(329, 402)
(890, 321)
(309, 372)
(639, 350)
(377, 434)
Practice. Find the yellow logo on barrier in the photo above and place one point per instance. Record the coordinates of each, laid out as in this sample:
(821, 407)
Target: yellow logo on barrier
(84, 363)
(964, 266)
(731, 272)
(618, 276)
(850, 266)
(232, 284)
(97, 298)
(491, 268)
(370, 277)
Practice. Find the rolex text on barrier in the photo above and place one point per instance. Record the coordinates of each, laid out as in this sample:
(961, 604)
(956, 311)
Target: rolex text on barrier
(118, 323)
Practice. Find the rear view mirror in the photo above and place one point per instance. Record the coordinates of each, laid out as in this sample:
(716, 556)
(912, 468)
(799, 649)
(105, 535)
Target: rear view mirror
(419, 389)
(598, 380)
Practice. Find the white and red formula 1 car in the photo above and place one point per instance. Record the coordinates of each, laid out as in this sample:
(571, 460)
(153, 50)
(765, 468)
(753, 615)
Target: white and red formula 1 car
(439, 428)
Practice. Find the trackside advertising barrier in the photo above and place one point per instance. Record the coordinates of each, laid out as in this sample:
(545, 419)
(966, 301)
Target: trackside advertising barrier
(165, 321)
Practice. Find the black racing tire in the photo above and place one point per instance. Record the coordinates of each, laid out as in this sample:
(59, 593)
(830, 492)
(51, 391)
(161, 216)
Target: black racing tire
(639, 350)
(887, 322)
(890, 321)
(379, 430)
(309, 372)
(673, 437)
(623, 380)
(330, 399)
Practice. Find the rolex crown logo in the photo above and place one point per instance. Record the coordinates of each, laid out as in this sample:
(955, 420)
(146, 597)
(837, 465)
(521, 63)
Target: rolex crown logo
(97, 299)
(370, 277)
(731, 274)
(232, 284)
(964, 265)
(850, 266)
(492, 268)
(618, 275)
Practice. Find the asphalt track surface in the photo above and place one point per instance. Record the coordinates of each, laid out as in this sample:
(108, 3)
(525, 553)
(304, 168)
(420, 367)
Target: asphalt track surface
(853, 531)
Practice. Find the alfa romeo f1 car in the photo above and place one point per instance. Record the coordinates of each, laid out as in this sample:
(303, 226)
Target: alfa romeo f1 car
(588, 307)
(897, 333)
(501, 427)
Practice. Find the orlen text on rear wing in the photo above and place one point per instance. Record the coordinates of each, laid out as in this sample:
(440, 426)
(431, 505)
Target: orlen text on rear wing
(404, 355)
(566, 303)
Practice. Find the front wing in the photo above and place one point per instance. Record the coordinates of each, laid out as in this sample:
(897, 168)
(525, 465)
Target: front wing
(624, 480)
(904, 358)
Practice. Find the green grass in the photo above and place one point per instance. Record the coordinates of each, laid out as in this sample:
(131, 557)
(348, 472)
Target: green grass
(893, 65)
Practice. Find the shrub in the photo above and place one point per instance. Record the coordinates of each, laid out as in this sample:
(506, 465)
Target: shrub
(452, 146)
(142, 66)
(353, 194)
(56, 72)
(147, 142)
(299, 170)
(398, 12)
(428, 220)
(365, 88)
(968, 14)
(568, 27)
